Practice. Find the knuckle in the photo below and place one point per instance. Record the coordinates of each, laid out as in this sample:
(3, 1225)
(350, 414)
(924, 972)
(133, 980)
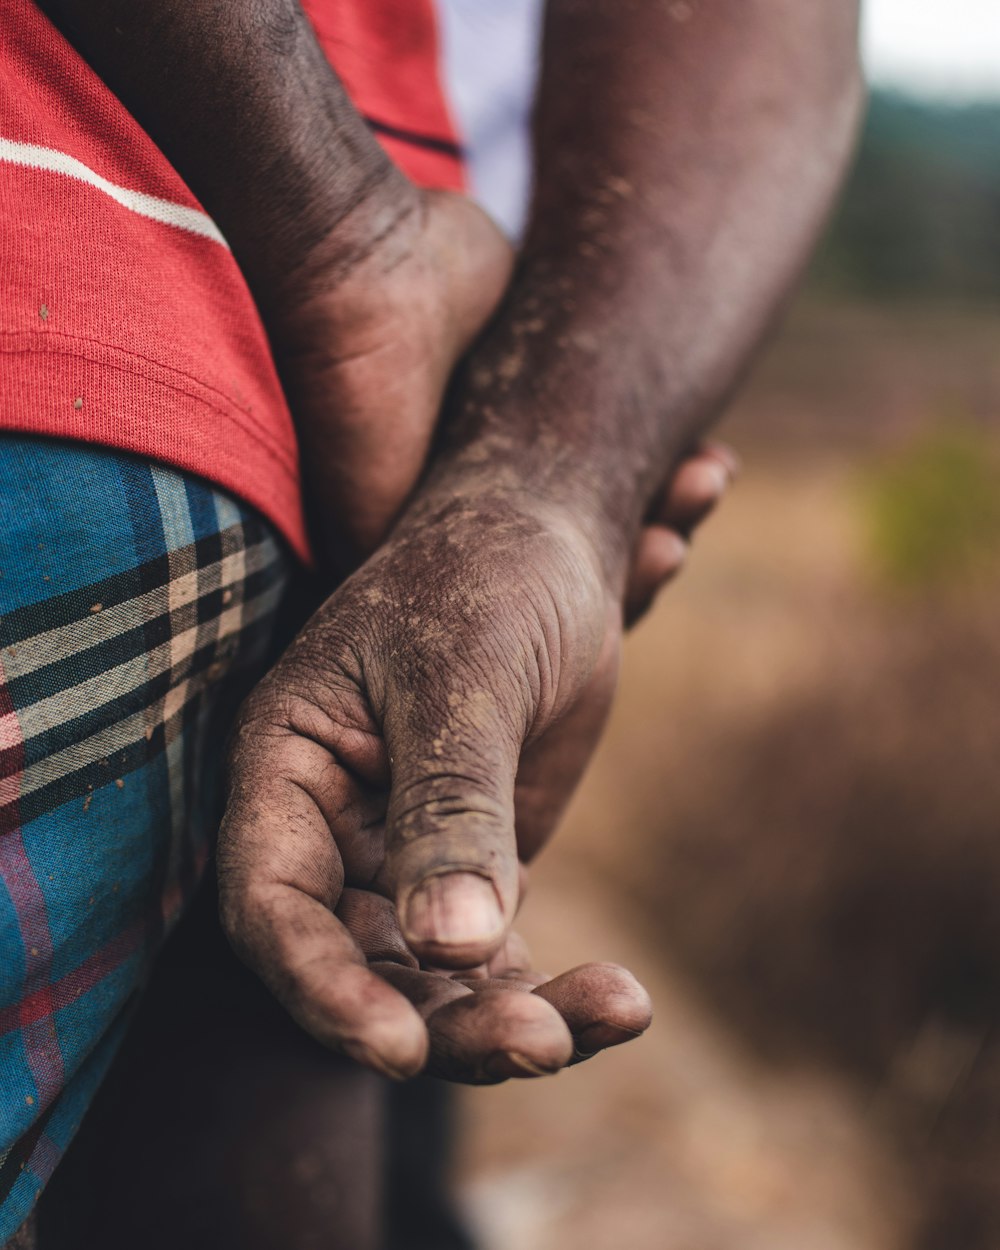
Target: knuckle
(437, 802)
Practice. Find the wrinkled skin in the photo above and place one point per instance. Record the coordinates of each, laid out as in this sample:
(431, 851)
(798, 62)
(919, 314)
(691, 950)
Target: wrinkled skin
(376, 732)
(426, 658)
(366, 359)
(416, 744)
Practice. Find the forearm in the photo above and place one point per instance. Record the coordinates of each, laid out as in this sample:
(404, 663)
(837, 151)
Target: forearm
(240, 97)
(687, 154)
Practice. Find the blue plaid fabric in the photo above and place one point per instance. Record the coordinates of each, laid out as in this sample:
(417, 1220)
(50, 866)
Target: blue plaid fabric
(136, 608)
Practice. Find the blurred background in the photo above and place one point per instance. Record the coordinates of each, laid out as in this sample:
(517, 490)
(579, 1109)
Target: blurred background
(792, 834)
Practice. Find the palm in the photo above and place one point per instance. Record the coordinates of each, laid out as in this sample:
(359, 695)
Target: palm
(502, 1019)
(424, 733)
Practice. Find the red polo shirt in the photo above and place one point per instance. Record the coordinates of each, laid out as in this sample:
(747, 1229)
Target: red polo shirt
(124, 319)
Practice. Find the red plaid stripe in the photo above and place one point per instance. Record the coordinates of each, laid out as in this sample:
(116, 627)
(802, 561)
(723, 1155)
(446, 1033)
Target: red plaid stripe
(41, 1043)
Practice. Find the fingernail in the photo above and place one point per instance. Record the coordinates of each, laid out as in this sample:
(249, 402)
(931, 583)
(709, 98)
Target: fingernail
(506, 1064)
(600, 1036)
(718, 475)
(364, 1055)
(728, 458)
(678, 551)
(454, 909)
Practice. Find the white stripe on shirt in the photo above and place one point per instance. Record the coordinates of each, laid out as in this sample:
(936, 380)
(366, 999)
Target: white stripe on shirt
(166, 211)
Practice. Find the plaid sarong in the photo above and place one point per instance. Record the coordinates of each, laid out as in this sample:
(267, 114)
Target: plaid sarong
(136, 608)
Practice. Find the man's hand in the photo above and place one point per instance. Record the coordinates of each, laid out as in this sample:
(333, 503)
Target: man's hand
(502, 1019)
(451, 691)
(447, 695)
(365, 359)
(369, 287)
(306, 887)
(417, 741)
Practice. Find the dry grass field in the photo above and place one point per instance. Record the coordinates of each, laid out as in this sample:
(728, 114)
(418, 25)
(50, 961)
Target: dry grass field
(791, 835)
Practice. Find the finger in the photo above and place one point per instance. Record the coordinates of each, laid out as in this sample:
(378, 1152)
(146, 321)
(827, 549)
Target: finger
(688, 497)
(280, 876)
(658, 557)
(494, 1034)
(483, 1042)
(313, 967)
(513, 958)
(696, 487)
(551, 766)
(512, 967)
(603, 1005)
(451, 851)
(371, 921)
(425, 991)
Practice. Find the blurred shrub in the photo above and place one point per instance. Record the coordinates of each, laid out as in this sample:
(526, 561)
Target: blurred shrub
(932, 513)
(835, 891)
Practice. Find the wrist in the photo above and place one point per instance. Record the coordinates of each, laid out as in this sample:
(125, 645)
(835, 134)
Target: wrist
(489, 481)
(559, 417)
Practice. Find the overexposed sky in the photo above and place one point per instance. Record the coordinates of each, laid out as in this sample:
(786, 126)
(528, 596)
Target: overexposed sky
(937, 47)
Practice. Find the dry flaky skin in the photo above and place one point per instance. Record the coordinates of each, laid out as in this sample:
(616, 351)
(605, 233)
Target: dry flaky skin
(421, 677)
(396, 723)
(436, 703)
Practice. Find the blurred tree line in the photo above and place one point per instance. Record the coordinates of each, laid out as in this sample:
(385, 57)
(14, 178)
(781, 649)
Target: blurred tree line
(921, 213)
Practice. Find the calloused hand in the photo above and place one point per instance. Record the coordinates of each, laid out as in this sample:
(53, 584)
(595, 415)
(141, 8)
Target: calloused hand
(366, 358)
(502, 1019)
(418, 740)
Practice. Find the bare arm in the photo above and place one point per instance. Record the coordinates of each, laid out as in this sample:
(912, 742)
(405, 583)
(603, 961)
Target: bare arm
(436, 713)
(688, 152)
(449, 694)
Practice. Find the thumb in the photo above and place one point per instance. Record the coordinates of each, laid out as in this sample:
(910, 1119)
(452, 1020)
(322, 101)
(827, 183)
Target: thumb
(451, 851)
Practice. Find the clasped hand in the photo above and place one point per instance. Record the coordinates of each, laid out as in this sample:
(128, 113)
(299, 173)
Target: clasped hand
(418, 741)
(413, 748)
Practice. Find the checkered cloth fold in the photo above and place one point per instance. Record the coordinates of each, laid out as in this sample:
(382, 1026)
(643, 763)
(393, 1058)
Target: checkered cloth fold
(136, 608)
